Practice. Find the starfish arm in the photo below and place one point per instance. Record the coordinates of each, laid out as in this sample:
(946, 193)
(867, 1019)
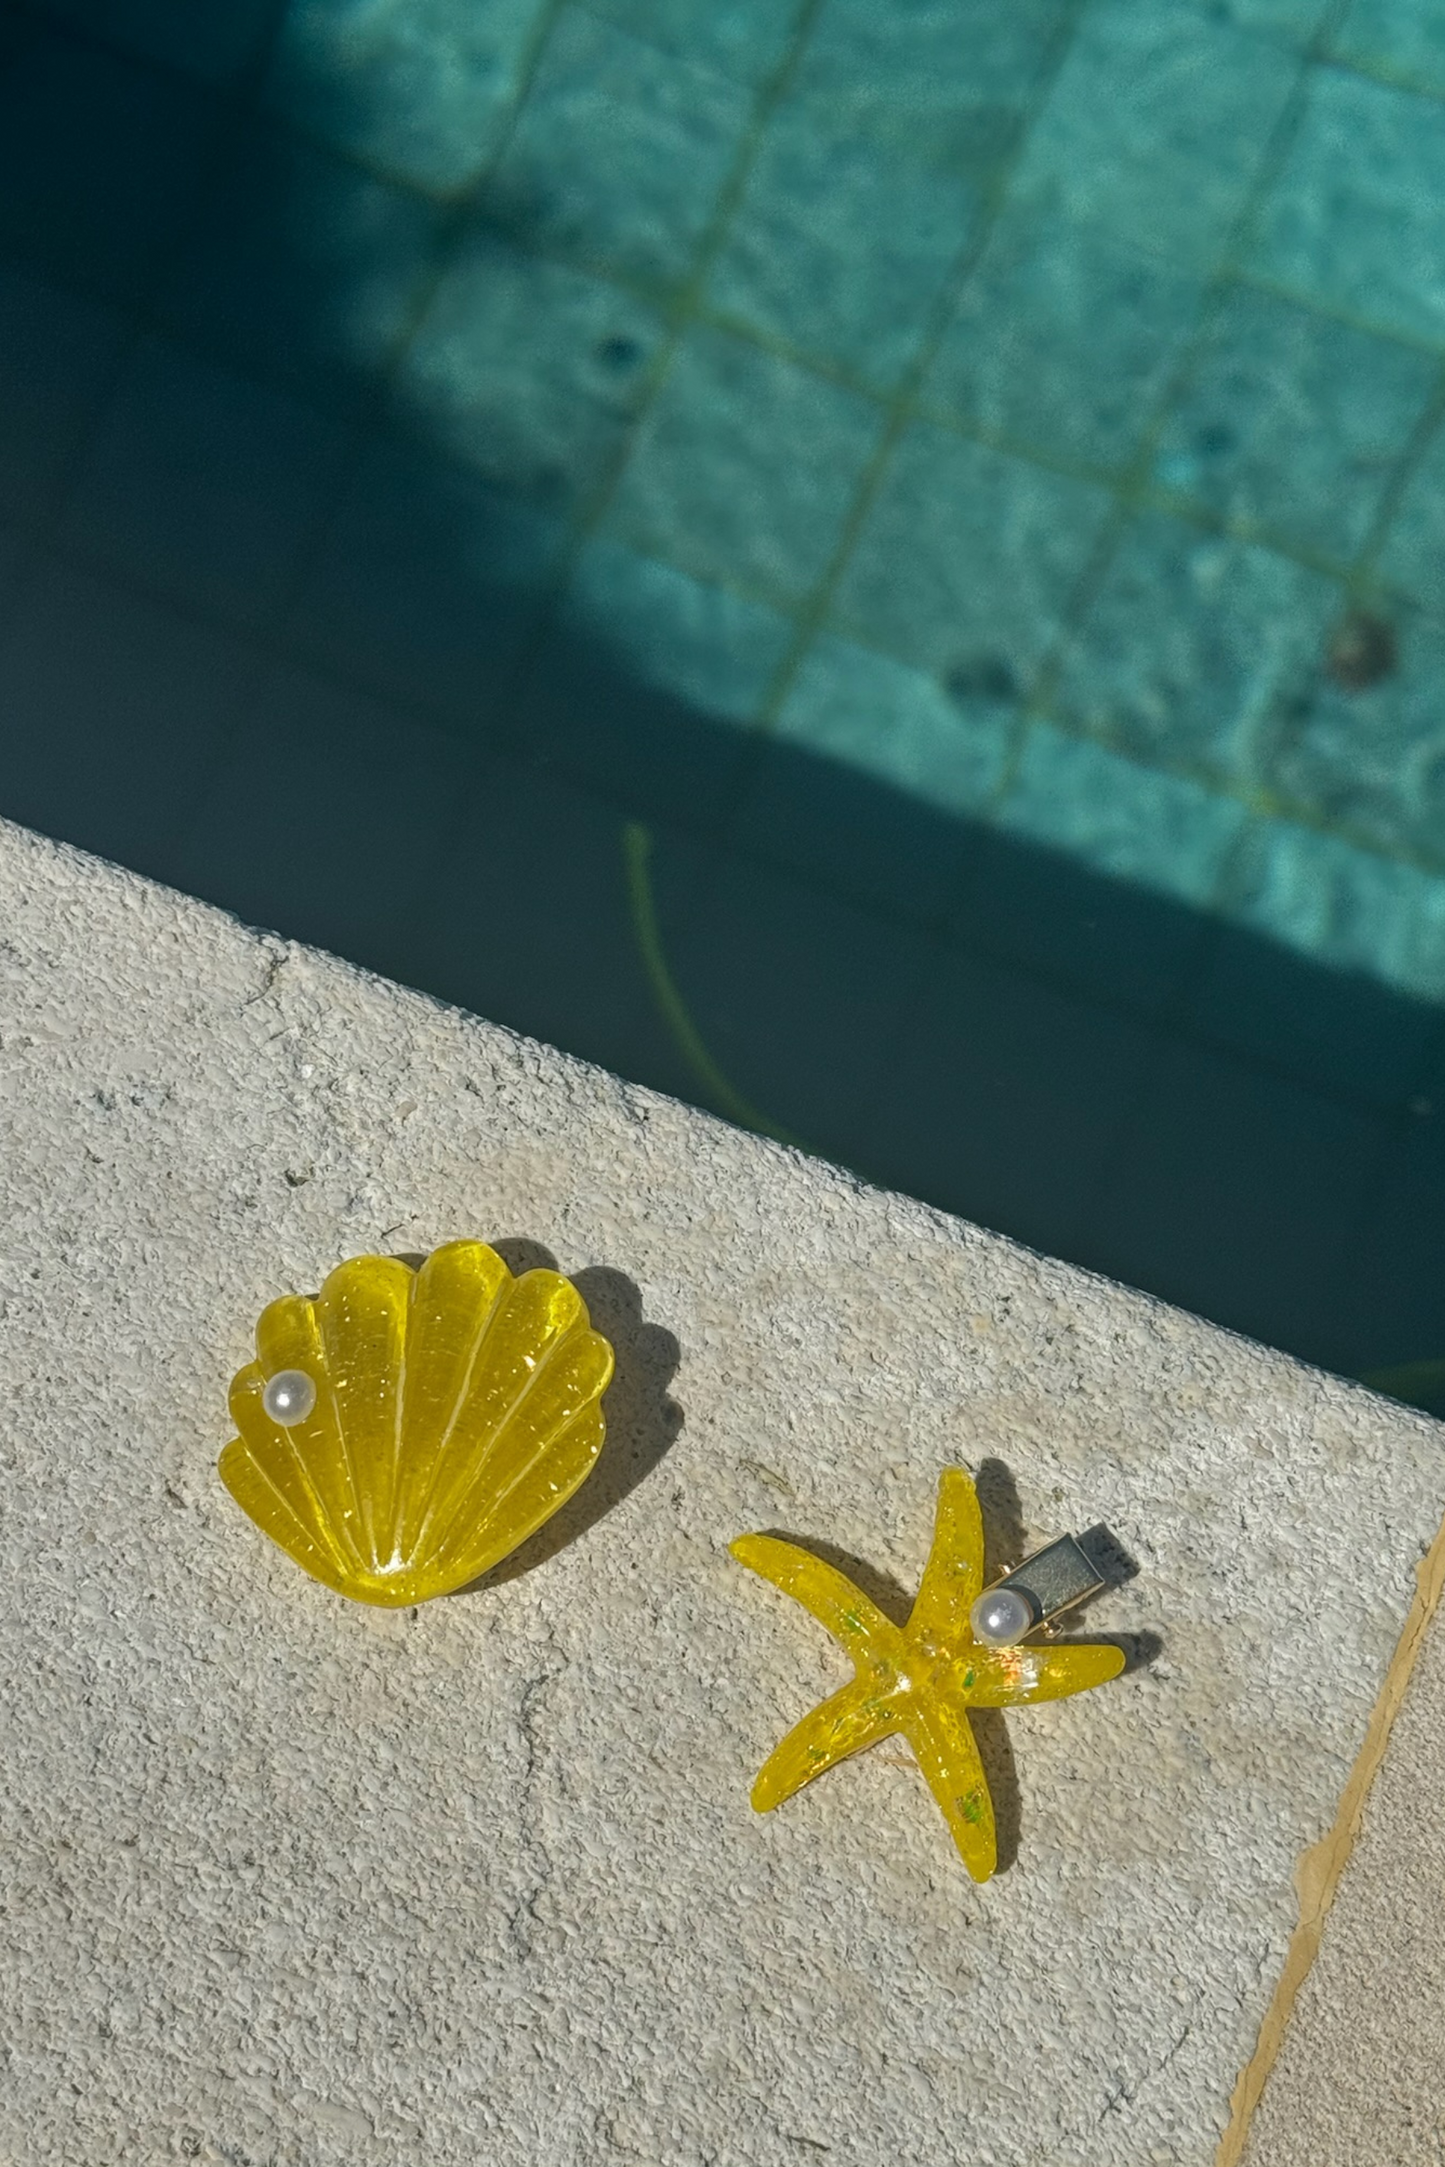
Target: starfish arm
(856, 1624)
(943, 1745)
(953, 1575)
(1009, 1677)
(847, 1722)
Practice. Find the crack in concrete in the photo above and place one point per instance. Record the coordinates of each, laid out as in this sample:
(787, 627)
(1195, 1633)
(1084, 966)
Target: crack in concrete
(522, 1923)
(1115, 2102)
(276, 962)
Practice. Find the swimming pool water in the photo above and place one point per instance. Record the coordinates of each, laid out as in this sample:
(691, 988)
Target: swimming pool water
(882, 569)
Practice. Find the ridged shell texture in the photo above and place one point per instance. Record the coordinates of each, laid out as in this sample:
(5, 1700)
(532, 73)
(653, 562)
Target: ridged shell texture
(456, 1408)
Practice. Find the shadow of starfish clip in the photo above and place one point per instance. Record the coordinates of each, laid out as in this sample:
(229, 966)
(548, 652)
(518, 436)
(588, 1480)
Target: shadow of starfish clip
(920, 1679)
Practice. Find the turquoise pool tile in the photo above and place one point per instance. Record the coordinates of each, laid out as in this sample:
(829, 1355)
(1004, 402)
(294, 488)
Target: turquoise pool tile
(1297, 20)
(304, 269)
(1403, 40)
(1271, 1181)
(921, 70)
(682, 636)
(867, 712)
(744, 39)
(1193, 649)
(1063, 340)
(207, 484)
(322, 820)
(1293, 422)
(422, 90)
(58, 354)
(1006, 1099)
(531, 372)
(1156, 126)
(427, 586)
(117, 709)
(744, 469)
(1371, 762)
(1351, 909)
(101, 159)
(867, 774)
(1352, 223)
(620, 153)
(870, 179)
(1412, 560)
(967, 560)
(842, 244)
(220, 42)
(647, 686)
(1132, 823)
(1378, 929)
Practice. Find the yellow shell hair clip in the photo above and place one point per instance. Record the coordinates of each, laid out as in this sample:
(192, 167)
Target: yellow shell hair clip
(407, 1429)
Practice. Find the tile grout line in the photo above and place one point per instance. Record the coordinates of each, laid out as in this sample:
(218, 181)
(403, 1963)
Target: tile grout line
(1133, 494)
(995, 956)
(679, 310)
(1371, 849)
(1361, 572)
(464, 201)
(276, 648)
(898, 410)
(1192, 514)
(700, 315)
(372, 416)
(276, 645)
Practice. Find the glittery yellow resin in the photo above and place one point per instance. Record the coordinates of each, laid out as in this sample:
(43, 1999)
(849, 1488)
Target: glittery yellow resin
(456, 1409)
(920, 1679)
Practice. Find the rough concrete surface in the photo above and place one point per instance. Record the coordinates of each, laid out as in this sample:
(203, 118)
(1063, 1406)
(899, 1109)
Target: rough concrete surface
(291, 1881)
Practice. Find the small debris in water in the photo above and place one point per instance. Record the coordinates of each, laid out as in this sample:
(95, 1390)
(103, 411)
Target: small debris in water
(1363, 650)
(619, 353)
(982, 677)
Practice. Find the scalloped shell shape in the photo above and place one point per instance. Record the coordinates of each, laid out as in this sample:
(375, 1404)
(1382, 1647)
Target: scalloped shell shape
(457, 1407)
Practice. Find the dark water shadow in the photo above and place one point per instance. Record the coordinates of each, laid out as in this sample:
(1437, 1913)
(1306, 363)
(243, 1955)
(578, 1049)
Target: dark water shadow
(1108, 1076)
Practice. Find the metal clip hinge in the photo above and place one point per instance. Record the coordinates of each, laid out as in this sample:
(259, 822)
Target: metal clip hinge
(1052, 1580)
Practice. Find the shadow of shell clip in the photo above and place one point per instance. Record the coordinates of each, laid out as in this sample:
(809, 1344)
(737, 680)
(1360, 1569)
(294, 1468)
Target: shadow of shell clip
(407, 1429)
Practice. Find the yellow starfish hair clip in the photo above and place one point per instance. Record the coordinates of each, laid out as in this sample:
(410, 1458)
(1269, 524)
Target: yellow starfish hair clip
(405, 1430)
(963, 1647)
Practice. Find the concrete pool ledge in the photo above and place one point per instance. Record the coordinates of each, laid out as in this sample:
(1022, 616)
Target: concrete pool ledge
(288, 1880)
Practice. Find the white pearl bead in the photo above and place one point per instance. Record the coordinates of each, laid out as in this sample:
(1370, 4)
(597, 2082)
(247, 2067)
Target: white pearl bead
(1001, 1617)
(289, 1397)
